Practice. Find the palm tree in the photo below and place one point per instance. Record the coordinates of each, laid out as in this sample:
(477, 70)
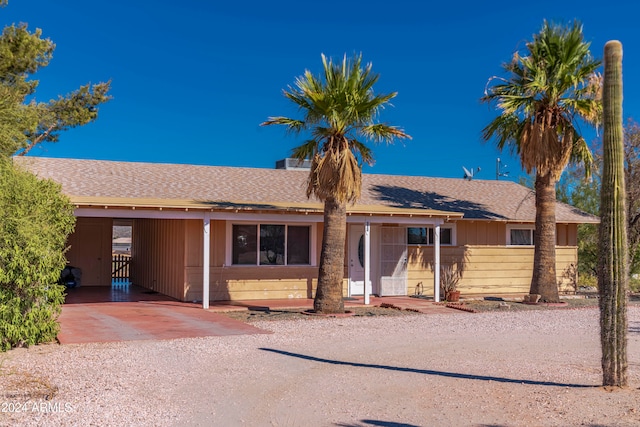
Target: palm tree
(551, 86)
(339, 111)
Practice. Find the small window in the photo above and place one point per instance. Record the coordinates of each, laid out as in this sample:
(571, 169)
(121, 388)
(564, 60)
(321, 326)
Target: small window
(417, 236)
(521, 236)
(445, 236)
(361, 251)
(424, 236)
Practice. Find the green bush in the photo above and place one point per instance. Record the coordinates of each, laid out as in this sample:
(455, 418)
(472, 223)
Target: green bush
(587, 280)
(35, 220)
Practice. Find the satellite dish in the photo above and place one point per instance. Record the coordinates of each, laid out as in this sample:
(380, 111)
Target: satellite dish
(468, 174)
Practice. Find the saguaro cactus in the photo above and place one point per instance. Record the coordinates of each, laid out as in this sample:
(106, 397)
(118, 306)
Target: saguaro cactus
(613, 257)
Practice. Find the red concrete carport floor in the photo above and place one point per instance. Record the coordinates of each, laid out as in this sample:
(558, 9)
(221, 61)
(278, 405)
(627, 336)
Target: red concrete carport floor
(90, 315)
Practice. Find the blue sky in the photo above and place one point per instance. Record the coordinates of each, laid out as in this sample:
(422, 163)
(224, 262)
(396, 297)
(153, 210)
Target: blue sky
(192, 79)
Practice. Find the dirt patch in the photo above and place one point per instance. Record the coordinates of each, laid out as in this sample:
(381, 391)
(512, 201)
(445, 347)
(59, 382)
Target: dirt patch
(258, 315)
(471, 306)
(497, 304)
(22, 385)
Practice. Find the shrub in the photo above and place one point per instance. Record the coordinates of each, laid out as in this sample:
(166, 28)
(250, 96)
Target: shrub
(35, 220)
(588, 280)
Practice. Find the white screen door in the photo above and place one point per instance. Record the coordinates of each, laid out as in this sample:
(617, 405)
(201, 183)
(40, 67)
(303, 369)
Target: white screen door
(393, 261)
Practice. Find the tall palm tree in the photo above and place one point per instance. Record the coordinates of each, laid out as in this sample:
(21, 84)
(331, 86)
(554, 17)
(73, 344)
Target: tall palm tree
(552, 86)
(339, 111)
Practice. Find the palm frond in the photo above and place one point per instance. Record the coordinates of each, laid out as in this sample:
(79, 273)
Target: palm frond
(306, 150)
(339, 108)
(362, 151)
(581, 155)
(292, 125)
(382, 132)
(335, 175)
(506, 130)
(551, 83)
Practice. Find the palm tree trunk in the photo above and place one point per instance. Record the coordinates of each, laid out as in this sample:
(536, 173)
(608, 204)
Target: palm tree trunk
(328, 298)
(543, 281)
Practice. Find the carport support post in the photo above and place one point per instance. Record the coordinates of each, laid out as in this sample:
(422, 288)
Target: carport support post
(436, 261)
(205, 261)
(367, 261)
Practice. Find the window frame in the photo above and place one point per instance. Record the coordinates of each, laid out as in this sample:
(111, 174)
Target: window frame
(531, 228)
(430, 231)
(229, 246)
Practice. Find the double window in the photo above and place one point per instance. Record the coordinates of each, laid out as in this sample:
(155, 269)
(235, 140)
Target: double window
(271, 244)
(424, 236)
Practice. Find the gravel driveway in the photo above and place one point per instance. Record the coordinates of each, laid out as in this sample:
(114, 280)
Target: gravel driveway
(533, 368)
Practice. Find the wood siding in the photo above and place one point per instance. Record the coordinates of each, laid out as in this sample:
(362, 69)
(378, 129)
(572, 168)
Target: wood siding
(243, 282)
(490, 266)
(90, 250)
(481, 233)
(158, 256)
(253, 282)
(494, 233)
(167, 257)
(488, 270)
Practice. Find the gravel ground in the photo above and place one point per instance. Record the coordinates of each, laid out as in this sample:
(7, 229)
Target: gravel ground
(502, 368)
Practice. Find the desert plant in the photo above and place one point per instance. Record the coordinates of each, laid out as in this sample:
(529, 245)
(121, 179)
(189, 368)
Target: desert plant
(568, 281)
(449, 279)
(613, 262)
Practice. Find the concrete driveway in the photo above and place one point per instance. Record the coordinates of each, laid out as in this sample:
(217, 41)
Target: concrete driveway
(91, 315)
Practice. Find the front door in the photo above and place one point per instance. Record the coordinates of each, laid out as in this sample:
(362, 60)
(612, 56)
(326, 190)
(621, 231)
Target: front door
(356, 260)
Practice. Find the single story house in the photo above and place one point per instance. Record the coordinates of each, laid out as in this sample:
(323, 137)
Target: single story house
(210, 233)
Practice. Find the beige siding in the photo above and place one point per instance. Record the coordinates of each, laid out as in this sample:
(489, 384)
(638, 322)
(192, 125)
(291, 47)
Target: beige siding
(90, 250)
(494, 233)
(481, 233)
(489, 270)
(244, 282)
(572, 235)
(158, 255)
(567, 234)
(194, 247)
(254, 282)
(562, 234)
(167, 257)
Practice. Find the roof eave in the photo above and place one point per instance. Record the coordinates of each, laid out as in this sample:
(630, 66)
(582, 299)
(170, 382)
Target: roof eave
(247, 207)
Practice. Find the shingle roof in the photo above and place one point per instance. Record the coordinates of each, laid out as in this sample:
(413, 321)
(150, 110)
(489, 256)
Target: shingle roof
(218, 185)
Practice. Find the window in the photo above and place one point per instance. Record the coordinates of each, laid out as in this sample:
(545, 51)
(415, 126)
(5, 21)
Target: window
(521, 236)
(244, 244)
(424, 235)
(298, 245)
(270, 244)
(417, 236)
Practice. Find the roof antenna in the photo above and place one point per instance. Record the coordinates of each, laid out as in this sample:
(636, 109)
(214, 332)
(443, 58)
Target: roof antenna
(499, 168)
(469, 174)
